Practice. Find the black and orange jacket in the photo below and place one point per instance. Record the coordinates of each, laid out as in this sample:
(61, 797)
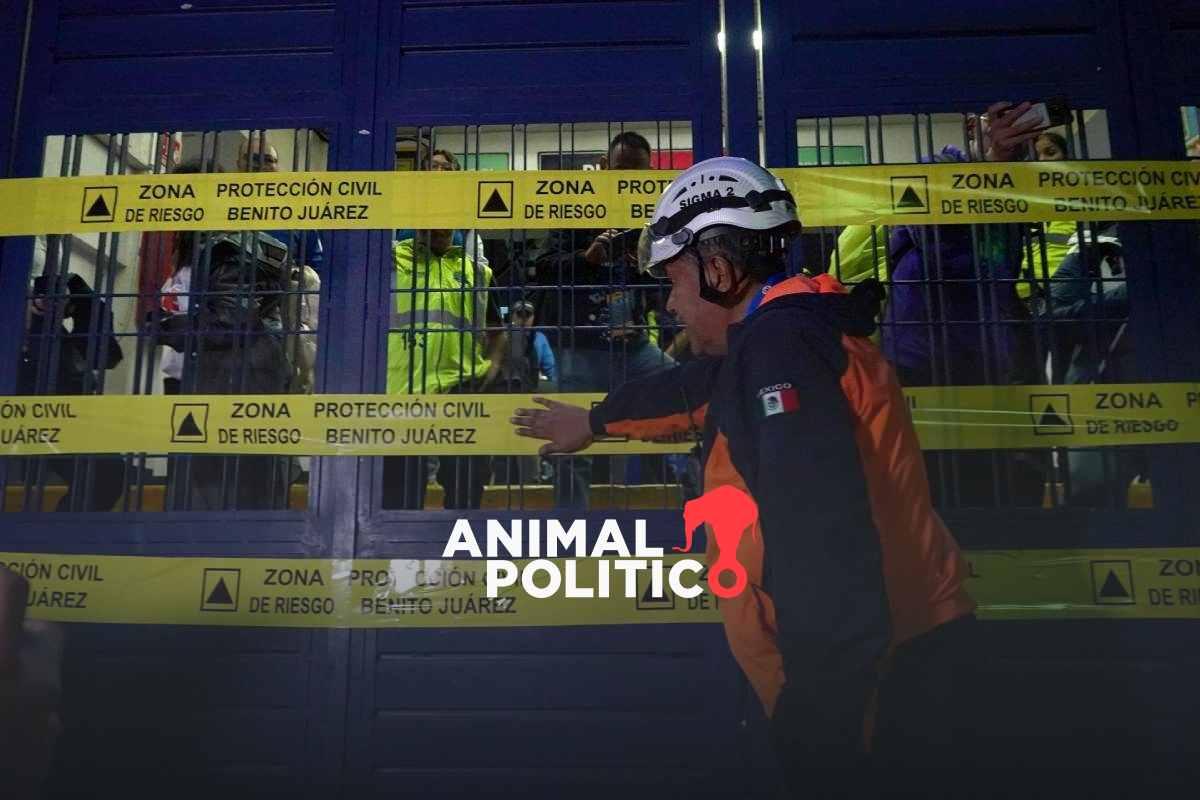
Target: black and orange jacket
(850, 557)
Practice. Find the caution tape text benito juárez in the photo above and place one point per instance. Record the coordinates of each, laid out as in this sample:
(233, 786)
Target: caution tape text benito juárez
(912, 194)
(430, 593)
(946, 418)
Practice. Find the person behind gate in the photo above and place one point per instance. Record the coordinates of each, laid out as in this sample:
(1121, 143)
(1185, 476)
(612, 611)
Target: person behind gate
(437, 343)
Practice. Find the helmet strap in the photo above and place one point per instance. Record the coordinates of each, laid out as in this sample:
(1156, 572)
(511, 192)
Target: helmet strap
(727, 298)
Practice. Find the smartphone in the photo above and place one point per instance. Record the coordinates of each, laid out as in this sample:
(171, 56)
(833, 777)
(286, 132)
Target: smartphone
(1049, 113)
(626, 241)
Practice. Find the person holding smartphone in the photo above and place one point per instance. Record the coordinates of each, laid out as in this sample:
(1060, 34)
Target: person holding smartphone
(936, 274)
(592, 290)
(1005, 131)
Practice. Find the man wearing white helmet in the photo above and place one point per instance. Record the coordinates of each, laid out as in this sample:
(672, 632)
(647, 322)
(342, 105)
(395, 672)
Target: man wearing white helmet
(851, 573)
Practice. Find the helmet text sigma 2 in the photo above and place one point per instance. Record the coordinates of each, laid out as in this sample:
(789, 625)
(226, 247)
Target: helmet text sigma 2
(729, 199)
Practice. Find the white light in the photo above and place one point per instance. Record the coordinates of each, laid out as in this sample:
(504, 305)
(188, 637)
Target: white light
(721, 41)
(756, 39)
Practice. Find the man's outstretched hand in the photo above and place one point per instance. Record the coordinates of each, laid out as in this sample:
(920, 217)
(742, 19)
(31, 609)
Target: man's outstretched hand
(565, 428)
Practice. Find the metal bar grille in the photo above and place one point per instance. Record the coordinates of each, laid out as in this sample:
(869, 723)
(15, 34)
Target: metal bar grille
(477, 311)
(988, 304)
(197, 313)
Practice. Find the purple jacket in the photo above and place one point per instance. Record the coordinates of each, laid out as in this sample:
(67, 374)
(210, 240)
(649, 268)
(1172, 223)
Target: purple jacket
(941, 293)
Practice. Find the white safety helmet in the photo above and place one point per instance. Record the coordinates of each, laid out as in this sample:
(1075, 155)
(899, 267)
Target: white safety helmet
(712, 198)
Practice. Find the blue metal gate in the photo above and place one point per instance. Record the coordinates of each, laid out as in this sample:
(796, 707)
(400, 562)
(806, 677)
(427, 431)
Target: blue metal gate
(1066, 693)
(565, 709)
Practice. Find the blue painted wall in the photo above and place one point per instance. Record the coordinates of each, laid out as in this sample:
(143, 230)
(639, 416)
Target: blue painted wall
(444, 712)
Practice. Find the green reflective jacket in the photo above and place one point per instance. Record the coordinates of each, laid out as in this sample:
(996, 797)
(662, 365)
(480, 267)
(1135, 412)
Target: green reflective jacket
(435, 339)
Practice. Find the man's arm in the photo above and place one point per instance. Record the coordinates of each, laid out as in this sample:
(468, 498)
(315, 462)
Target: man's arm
(558, 261)
(661, 404)
(1073, 296)
(665, 403)
(495, 355)
(545, 357)
(495, 342)
(823, 562)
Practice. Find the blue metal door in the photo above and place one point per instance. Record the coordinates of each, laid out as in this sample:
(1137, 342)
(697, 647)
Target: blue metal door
(557, 709)
(309, 712)
(874, 82)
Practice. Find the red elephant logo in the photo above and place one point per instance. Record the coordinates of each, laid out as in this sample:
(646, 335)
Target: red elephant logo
(729, 511)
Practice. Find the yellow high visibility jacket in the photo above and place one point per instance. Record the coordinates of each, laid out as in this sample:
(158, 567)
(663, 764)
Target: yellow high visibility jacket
(1058, 242)
(435, 339)
(861, 253)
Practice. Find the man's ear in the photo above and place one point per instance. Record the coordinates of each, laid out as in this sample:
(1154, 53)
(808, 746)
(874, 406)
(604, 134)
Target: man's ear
(604, 162)
(718, 273)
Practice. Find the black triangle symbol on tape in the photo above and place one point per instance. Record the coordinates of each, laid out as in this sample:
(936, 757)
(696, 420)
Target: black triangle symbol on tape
(495, 204)
(1113, 587)
(910, 199)
(1050, 418)
(649, 596)
(99, 208)
(220, 594)
(189, 427)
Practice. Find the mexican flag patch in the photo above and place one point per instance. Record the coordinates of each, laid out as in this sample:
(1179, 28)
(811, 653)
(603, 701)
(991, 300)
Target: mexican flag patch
(779, 399)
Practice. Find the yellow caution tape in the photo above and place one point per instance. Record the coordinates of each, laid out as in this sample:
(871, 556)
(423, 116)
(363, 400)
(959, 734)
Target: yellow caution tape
(949, 418)
(1086, 584)
(1031, 417)
(330, 200)
(432, 593)
(919, 194)
(355, 425)
(1028, 191)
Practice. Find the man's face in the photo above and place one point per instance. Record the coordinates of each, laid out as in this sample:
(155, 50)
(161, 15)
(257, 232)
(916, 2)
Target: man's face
(439, 163)
(440, 240)
(252, 160)
(622, 157)
(523, 319)
(707, 323)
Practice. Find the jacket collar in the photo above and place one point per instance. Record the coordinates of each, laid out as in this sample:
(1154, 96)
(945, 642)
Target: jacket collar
(853, 313)
(802, 284)
(413, 246)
